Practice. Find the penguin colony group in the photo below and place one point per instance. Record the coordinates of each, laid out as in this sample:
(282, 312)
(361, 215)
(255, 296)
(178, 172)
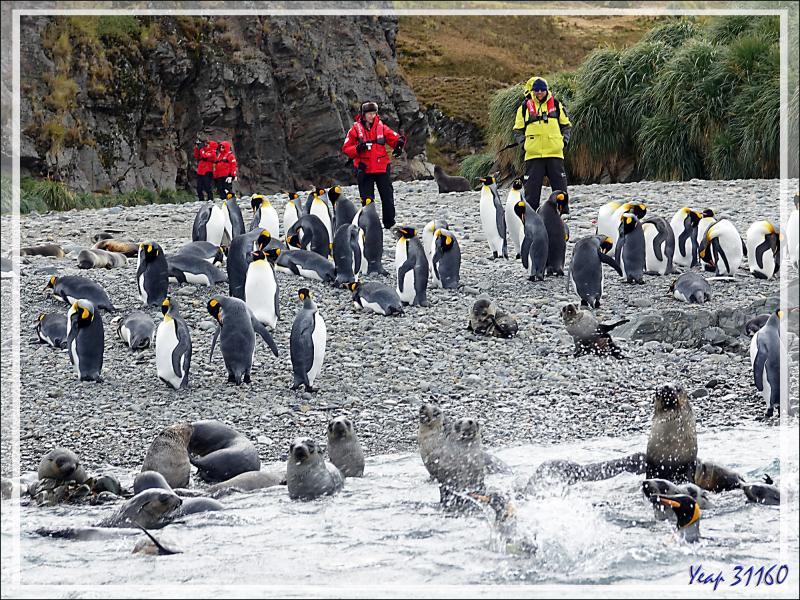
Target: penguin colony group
(325, 238)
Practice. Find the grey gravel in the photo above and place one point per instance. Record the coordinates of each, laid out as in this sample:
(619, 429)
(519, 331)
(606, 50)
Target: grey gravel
(378, 370)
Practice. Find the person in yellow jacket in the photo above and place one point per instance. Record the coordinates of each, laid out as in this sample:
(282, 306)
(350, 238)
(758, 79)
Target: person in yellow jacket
(543, 125)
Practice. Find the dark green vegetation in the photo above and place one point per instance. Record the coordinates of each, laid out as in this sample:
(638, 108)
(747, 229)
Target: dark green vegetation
(692, 99)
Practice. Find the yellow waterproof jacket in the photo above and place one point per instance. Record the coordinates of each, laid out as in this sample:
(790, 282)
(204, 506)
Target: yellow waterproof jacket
(545, 131)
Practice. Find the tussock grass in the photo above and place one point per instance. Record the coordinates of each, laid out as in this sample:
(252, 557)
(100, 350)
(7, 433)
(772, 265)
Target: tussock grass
(476, 166)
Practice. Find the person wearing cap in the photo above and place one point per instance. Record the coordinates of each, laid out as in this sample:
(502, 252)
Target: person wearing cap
(206, 156)
(542, 124)
(225, 170)
(366, 144)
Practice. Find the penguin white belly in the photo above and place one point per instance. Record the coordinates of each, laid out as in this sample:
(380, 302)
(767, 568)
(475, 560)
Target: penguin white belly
(651, 262)
(409, 293)
(319, 209)
(516, 230)
(269, 221)
(373, 306)
(702, 228)
(125, 333)
(166, 341)
(489, 222)
(400, 257)
(289, 216)
(427, 241)
(622, 263)
(361, 237)
(793, 238)
(259, 293)
(358, 214)
(755, 238)
(682, 255)
(606, 223)
(142, 290)
(215, 227)
(731, 244)
(196, 278)
(309, 273)
(319, 337)
(76, 361)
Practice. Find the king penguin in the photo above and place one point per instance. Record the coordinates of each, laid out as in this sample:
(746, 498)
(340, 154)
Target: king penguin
(292, 211)
(209, 224)
(310, 232)
(659, 244)
(347, 249)
(557, 234)
(320, 208)
(85, 337)
(684, 229)
(516, 227)
(265, 216)
(586, 269)
(429, 239)
(239, 257)
(793, 233)
(725, 246)
(343, 209)
(370, 223)
(763, 249)
(766, 348)
(630, 253)
(152, 274)
(446, 260)
(234, 222)
(307, 342)
(493, 218)
(535, 241)
(608, 218)
(173, 347)
(261, 290)
(411, 267)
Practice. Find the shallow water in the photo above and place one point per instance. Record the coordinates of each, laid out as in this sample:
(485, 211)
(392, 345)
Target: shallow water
(387, 529)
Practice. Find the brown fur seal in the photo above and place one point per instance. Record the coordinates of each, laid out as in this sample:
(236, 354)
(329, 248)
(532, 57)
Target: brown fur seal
(672, 445)
(220, 452)
(169, 456)
(308, 476)
(431, 436)
(53, 250)
(571, 472)
(129, 249)
(249, 481)
(763, 492)
(344, 449)
(461, 461)
(486, 318)
(588, 334)
(61, 464)
(450, 183)
(716, 478)
(151, 509)
(100, 259)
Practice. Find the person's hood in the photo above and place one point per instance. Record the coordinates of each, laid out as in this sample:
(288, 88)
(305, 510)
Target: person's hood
(212, 144)
(225, 146)
(529, 87)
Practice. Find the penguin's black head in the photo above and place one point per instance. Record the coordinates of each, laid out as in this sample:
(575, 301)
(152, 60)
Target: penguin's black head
(447, 240)
(519, 210)
(264, 239)
(303, 293)
(165, 305)
(708, 213)
(222, 252)
(606, 244)
(669, 397)
(629, 222)
(340, 427)
(429, 413)
(83, 311)
(215, 309)
(685, 508)
(272, 254)
(256, 200)
(353, 286)
(292, 239)
(637, 208)
(334, 193)
(321, 192)
(407, 232)
(488, 180)
(467, 429)
(258, 255)
(151, 250)
(562, 201)
(367, 201)
(50, 283)
(516, 184)
(694, 217)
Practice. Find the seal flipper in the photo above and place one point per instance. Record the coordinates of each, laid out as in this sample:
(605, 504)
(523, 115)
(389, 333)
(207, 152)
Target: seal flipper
(265, 334)
(162, 550)
(606, 327)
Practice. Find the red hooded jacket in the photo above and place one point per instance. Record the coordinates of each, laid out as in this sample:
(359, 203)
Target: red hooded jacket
(207, 156)
(226, 162)
(375, 158)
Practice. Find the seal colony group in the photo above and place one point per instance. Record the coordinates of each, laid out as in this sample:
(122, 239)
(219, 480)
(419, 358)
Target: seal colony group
(327, 239)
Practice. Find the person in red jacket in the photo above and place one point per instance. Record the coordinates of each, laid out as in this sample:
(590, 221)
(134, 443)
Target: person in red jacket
(366, 144)
(206, 155)
(225, 170)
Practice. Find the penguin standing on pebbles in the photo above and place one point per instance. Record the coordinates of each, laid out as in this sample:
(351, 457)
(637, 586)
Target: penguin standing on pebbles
(411, 266)
(725, 246)
(514, 223)
(292, 211)
(763, 249)
(307, 342)
(173, 347)
(343, 209)
(557, 235)
(261, 287)
(152, 274)
(85, 337)
(684, 229)
(630, 254)
(493, 218)
(370, 223)
(446, 260)
(209, 224)
(535, 241)
(765, 357)
(659, 244)
(265, 216)
(586, 269)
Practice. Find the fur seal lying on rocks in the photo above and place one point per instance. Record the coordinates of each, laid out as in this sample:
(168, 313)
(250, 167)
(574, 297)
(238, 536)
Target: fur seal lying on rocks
(486, 318)
(100, 259)
(53, 250)
(128, 249)
(450, 183)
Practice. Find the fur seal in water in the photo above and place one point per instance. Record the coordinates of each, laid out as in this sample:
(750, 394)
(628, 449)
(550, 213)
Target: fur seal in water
(168, 454)
(151, 546)
(672, 445)
(151, 509)
(716, 478)
(308, 476)
(486, 318)
(572, 472)
(61, 464)
(148, 480)
(461, 463)
(450, 183)
(431, 436)
(249, 481)
(344, 449)
(762, 492)
(220, 452)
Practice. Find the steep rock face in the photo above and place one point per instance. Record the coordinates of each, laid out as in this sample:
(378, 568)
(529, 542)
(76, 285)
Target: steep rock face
(118, 106)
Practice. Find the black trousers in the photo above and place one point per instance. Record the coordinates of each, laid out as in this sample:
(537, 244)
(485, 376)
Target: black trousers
(223, 188)
(366, 189)
(535, 170)
(205, 185)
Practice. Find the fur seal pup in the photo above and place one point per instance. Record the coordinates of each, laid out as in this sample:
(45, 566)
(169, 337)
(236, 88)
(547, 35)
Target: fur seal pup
(51, 329)
(589, 335)
(236, 331)
(376, 297)
(128, 249)
(308, 476)
(431, 436)
(61, 464)
(137, 330)
(306, 264)
(691, 287)
(672, 446)
(151, 509)
(85, 338)
(462, 466)
(572, 472)
(100, 259)
(450, 183)
(205, 250)
(220, 452)
(486, 318)
(52, 250)
(716, 478)
(249, 481)
(147, 480)
(762, 492)
(168, 454)
(74, 287)
(344, 448)
(687, 514)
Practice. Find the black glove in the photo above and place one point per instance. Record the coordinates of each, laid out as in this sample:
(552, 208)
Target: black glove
(198, 143)
(362, 147)
(398, 147)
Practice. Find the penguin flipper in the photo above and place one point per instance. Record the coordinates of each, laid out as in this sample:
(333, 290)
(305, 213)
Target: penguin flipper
(758, 367)
(526, 250)
(265, 335)
(214, 342)
(177, 353)
(605, 258)
(437, 256)
(657, 245)
(401, 272)
(760, 249)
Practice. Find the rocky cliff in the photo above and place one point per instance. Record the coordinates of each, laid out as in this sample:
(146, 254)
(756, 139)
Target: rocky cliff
(115, 103)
